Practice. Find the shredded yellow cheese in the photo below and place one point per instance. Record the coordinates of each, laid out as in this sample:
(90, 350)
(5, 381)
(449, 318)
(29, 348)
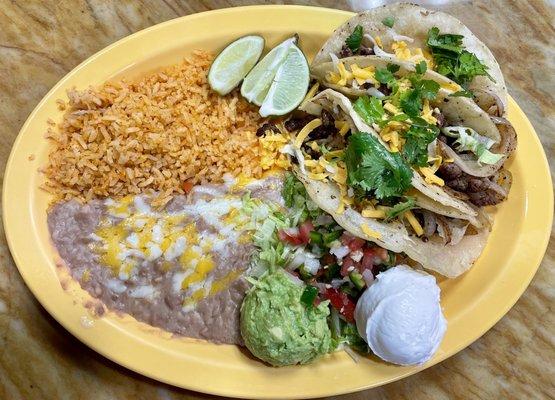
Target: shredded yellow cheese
(303, 134)
(344, 74)
(343, 127)
(415, 55)
(401, 50)
(436, 163)
(317, 176)
(391, 108)
(413, 222)
(371, 212)
(363, 75)
(310, 94)
(427, 113)
(370, 232)
(270, 155)
(452, 86)
(378, 41)
(430, 177)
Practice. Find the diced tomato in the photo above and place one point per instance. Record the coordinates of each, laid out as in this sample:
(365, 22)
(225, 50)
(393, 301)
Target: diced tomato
(304, 231)
(187, 186)
(289, 237)
(348, 262)
(356, 244)
(346, 238)
(367, 261)
(342, 303)
(381, 253)
(372, 256)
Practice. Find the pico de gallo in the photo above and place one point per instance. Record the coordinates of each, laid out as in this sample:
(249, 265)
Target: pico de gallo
(333, 264)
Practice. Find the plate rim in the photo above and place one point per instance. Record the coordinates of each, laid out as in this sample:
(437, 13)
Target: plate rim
(6, 200)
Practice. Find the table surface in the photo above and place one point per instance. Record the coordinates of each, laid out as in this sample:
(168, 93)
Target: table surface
(41, 41)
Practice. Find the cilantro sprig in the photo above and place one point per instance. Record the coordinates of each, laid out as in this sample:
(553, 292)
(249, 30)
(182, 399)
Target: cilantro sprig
(399, 208)
(372, 168)
(355, 39)
(417, 139)
(452, 60)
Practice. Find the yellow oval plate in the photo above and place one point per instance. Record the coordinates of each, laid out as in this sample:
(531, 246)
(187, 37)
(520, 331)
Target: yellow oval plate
(472, 303)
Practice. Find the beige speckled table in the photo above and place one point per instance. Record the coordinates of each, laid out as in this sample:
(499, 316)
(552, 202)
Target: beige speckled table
(40, 41)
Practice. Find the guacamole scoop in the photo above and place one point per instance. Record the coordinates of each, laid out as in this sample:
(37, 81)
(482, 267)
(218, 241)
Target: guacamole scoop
(278, 328)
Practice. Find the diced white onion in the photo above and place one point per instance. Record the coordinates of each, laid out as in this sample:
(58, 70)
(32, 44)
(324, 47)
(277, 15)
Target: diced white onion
(368, 277)
(340, 251)
(372, 91)
(312, 265)
(357, 255)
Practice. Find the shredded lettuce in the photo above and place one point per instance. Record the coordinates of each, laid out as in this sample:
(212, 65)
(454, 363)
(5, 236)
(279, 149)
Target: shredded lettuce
(470, 140)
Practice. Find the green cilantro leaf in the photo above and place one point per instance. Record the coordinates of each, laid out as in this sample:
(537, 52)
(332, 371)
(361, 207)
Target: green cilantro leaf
(417, 138)
(372, 168)
(388, 21)
(452, 60)
(393, 68)
(411, 102)
(421, 67)
(399, 117)
(384, 76)
(370, 109)
(444, 41)
(355, 39)
(462, 93)
(399, 208)
(428, 88)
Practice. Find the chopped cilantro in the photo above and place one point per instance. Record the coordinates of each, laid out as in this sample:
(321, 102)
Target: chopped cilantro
(452, 60)
(417, 138)
(399, 208)
(462, 93)
(448, 42)
(421, 67)
(411, 102)
(369, 108)
(385, 76)
(355, 39)
(393, 68)
(372, 168)
(388, 21)
(427, 88)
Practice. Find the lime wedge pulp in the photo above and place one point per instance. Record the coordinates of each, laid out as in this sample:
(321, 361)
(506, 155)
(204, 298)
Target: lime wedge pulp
(234, 63)
(289, 85)
(258, 81)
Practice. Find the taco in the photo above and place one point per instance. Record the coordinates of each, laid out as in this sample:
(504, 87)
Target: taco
(410, 33)
(376, 189)
(478, 144)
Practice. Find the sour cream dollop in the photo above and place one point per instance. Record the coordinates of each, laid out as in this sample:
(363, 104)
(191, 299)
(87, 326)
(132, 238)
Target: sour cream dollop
(400, 316)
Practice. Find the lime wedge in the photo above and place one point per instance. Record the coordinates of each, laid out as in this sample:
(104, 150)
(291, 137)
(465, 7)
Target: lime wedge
(258, 81)
(234, 63)
(289, 86)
